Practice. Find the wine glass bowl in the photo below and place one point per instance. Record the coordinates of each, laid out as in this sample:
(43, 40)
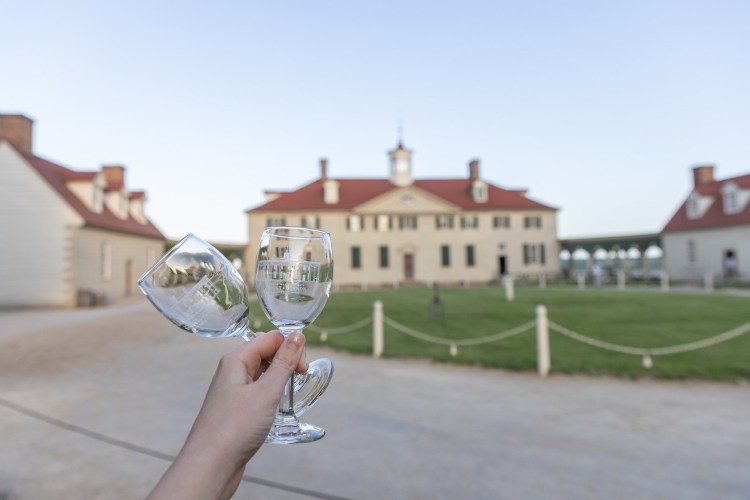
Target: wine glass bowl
(196, 288)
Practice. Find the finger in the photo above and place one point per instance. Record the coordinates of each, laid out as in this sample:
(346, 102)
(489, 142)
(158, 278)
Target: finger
(285, 362)
(264, 346)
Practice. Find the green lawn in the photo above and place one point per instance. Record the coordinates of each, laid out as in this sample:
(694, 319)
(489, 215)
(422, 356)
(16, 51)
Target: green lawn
(647, 319)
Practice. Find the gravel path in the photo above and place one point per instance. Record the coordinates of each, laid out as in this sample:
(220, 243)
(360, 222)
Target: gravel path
(396, 428)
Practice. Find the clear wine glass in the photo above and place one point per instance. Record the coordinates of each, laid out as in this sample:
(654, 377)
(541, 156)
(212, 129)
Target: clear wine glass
(195, 287)
(293, 277)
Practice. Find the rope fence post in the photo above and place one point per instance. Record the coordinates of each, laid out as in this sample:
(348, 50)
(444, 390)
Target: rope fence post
(664, 281)
(708, 280)
(620, 279)
(542, 341)
(377, 329)
(509, 291)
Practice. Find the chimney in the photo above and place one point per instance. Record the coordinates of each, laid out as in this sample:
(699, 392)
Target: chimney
(703, 174)
(114, 175)
(323, 168)
(16, 129)
(474, 169)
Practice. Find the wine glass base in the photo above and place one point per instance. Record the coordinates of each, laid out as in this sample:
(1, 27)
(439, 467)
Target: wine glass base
(309, 386)
(294, 433)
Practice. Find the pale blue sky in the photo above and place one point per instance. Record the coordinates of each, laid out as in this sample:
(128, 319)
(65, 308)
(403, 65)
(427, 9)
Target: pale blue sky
(599, 108)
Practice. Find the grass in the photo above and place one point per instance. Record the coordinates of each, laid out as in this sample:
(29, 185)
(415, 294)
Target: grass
(645, 319)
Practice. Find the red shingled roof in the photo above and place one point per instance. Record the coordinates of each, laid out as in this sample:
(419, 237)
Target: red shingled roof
(714, 216)
(354, 192)
(57, 175)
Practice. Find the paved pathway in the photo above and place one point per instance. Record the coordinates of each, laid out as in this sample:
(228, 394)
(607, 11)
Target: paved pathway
(396, 428)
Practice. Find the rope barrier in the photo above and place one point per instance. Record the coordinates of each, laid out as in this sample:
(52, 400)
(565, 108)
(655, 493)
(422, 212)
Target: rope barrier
(340, 330)
(457, 342)
(655, 351)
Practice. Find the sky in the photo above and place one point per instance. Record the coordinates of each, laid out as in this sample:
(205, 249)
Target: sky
(598, 108)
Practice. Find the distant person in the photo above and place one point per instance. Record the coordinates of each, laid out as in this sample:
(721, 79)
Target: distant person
(234, 421)
(598, 271)
(730, 265)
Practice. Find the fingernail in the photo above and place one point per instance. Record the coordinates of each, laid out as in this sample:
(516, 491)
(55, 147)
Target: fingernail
(296, 340)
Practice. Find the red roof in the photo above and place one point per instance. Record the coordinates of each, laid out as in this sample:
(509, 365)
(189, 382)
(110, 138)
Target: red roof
(714, 216)
(354, 192)
(57, 175)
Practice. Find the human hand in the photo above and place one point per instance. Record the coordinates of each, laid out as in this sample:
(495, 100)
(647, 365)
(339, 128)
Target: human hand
(236, 416)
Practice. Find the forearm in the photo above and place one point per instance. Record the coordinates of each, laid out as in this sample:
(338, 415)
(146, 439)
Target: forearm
(194, 476)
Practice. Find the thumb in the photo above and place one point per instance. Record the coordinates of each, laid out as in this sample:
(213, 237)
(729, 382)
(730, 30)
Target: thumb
(284, 362)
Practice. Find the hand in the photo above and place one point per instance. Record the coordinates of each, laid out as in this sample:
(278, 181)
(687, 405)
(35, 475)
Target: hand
(236, 416)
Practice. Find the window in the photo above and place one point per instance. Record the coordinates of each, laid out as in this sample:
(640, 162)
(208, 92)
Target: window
(469, 222)
(355, 223)
(691, 254)
(383, 223)
(310, 221)
(445, 255)
(407, 222)
(444, 222)
(356, 257)
(532, 221)
(469, 255)
(275, 221)
(106, 260)
(500, 221)
(533, 254)
(384, 256)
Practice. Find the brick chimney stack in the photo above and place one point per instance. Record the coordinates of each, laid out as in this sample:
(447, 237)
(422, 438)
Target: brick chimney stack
(114, 175)
(17, 130)
(474, 169)
(703, 174)
(323, 168)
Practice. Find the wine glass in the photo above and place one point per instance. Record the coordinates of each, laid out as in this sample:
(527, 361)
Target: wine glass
(293, 277)
(195, 287)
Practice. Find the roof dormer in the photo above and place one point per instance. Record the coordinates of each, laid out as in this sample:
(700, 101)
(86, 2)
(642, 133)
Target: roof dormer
(734, 199)
(697, 205)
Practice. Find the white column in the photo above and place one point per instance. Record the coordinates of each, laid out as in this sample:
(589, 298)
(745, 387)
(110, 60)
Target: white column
(377, 329)
(542, 341)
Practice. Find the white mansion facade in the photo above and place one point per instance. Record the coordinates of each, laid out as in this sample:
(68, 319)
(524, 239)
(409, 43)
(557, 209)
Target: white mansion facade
(395, 230)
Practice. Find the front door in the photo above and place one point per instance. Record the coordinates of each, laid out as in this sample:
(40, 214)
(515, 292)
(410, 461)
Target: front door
(502, 266)
(409, 266)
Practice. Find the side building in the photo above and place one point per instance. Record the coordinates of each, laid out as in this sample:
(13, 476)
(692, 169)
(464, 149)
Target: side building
(69, 237)
(400, 230)
(710, 231)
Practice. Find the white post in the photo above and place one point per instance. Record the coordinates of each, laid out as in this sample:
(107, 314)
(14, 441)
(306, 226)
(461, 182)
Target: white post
(510, 293)
(709, 281)
(377, 329)
(621, 279)
(664, 281)
(542, 341)
(581, 279)
(543, 281)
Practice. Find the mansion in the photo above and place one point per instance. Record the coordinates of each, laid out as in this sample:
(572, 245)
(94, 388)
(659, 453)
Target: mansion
(399, 230)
